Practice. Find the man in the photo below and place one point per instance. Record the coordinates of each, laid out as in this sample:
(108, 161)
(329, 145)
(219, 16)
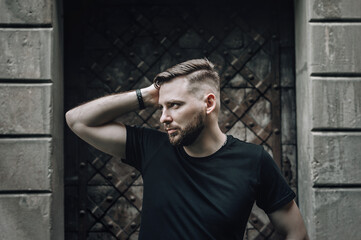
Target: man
(198, 182)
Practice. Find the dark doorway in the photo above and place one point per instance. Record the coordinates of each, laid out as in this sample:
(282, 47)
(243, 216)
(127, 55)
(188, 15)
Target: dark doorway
(114, 46)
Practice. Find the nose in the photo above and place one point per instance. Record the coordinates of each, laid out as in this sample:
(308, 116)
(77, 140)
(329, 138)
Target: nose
(165, 118)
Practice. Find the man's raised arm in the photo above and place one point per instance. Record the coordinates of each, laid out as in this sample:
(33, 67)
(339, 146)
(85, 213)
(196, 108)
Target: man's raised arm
(94, 121)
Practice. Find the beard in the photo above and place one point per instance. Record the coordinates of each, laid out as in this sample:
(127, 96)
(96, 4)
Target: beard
(187, 135)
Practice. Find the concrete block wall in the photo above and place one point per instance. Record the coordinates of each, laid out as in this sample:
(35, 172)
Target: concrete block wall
(31, 120)
(328, 84)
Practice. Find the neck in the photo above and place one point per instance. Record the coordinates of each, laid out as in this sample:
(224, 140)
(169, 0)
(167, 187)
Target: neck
(208, 142)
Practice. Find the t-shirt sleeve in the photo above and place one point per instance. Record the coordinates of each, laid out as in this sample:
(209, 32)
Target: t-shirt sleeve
(140, 140)
(133, 155)
(274, 192)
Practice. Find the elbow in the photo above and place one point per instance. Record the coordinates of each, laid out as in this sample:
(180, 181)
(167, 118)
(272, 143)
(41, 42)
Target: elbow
(70, 118)
(74, 123)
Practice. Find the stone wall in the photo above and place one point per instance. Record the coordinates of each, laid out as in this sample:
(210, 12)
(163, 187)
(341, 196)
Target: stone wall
(328, 84)
(31, 120)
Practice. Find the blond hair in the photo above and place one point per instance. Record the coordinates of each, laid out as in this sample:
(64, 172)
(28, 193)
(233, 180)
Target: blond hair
(197, 71)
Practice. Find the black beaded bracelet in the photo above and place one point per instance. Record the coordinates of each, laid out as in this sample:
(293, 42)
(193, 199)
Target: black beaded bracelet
(140, 99)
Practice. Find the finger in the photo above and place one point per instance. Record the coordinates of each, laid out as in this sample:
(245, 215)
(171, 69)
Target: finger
(156, 85)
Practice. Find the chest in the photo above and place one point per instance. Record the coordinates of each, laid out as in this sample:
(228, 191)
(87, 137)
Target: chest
(216, 195)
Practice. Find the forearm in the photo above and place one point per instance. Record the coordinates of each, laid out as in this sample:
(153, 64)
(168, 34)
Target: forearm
(300, 235)
(108, 108)
(289, 223)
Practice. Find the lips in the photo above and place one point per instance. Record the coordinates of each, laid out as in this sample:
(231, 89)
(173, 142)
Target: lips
(171, 130)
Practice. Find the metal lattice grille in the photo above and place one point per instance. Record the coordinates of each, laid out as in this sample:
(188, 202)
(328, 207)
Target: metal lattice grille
(125, 46)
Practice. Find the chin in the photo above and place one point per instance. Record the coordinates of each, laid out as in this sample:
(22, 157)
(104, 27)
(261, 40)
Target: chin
(174, 141)
(172, 138)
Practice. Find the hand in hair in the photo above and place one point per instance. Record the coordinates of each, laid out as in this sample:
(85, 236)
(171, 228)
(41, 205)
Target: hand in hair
(151, 95)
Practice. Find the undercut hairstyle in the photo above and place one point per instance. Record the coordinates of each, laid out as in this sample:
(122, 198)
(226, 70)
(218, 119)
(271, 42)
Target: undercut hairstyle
(197, 71)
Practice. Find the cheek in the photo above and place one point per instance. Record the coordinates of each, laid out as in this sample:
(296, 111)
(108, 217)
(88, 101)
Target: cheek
(189, 114)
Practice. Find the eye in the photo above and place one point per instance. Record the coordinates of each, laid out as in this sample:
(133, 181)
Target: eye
(174, 105)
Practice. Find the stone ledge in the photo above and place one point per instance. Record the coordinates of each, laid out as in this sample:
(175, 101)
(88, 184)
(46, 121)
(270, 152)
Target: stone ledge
(25, 53)
(25, 108)
(336, 214)
(336, 158)
(25, 12)
(336, 103)
(25, 164)
(335, 48)
(335, 10)
(25, 216)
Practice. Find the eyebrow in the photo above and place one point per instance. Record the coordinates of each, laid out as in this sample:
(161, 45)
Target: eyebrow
(172, 101)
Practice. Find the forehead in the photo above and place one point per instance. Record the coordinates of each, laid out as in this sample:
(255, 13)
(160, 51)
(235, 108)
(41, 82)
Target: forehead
(176, 88)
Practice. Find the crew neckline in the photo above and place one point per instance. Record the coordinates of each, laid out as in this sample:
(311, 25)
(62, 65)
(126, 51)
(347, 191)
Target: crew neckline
(201, 159)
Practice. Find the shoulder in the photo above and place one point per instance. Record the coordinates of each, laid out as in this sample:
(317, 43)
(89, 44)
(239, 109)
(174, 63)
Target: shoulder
(133, 129)
(250, 149)
(145, 135)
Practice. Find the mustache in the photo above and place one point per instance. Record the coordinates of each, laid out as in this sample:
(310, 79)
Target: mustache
(168, 127)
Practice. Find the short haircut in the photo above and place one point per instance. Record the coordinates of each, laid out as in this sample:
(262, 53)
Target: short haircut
(197, 71)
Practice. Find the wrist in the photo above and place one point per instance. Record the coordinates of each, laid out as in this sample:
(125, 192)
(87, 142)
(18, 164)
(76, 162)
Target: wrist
(150, 96)
(140, 99)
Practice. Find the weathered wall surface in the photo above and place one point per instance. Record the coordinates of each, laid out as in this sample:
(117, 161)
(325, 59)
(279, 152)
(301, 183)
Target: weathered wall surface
(328, 70)
(31, 135)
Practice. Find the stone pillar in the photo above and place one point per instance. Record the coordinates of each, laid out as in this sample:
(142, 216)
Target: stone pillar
(328, 87)
(31, 120)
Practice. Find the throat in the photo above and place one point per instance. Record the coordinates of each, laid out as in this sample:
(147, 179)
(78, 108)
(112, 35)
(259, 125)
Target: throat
(206, 147)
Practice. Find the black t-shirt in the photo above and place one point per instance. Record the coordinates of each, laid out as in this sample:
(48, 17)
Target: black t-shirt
(202, 198)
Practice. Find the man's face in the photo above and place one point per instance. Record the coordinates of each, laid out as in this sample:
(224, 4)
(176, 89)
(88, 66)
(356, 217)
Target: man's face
(183, 114)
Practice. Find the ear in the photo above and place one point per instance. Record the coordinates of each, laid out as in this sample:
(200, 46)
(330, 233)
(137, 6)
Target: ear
(211, 102)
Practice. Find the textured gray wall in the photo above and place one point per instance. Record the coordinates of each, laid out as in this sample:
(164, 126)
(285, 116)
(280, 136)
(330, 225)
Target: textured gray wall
(328, 77)
(31, 125)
